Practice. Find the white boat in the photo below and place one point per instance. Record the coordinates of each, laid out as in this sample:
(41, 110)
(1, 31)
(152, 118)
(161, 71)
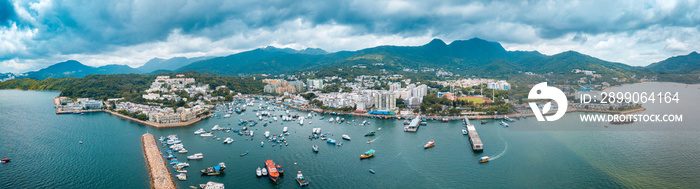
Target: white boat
(285, 129)
(346, 137)
(182, 171)
(464, 131)
(216, 127)
(183, 151)
(207, 134)
(200, 131)
(274, 118)
(228, 140)
(227, 115)
(183, 164)
(196, 156)
(286, 111)
(259, 117)
(267, 134)
(504, 124)
(264, 171)
(301, 120)
(182, 176)
(330, 120)
(379, 129)
(258, 172)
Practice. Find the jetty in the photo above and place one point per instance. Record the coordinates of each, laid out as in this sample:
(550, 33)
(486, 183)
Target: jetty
(477, 145)
(159, 172)
(413, 126)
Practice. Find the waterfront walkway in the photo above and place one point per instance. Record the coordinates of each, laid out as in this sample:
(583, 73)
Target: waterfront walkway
(159, 172)
(157, 125)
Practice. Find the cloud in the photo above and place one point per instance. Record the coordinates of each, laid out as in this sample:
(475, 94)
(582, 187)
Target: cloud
(43, 32)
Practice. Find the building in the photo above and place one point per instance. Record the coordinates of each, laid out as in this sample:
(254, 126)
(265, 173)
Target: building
(384, 101)
(91, 104)
(312, 84)
(499, 85)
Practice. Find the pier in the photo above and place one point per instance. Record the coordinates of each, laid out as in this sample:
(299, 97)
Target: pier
(159, 172)
(413, 126)
(474, 139)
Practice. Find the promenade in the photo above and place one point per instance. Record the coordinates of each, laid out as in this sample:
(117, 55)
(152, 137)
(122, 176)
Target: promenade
(157, 125)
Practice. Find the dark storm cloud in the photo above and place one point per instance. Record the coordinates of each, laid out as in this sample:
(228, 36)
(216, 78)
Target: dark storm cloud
(64, 27)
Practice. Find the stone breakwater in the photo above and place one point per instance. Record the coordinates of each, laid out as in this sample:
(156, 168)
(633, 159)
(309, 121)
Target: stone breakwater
(159, 172)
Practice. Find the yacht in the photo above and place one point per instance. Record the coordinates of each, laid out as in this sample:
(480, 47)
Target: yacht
(346, 137)
(284, 129)
(504, 124)
(196, 156)
(207, 134)
(200, 131)
(264, 171)
(228, 140)
(258, 172)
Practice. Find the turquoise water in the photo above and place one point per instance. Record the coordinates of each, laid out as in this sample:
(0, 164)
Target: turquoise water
(45, 151)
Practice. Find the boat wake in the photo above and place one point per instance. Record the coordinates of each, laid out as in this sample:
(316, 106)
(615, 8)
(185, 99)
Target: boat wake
(397, 155)
(504, 150)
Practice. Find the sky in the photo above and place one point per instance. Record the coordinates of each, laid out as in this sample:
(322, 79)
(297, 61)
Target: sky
(36, 34)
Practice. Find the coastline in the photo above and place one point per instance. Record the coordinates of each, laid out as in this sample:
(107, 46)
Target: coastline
(160, 174)
(157, 125)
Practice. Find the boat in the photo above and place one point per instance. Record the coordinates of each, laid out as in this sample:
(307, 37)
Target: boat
(315, 148)
(272, 171)
(484, 159)
(429, 144)
(331, 141)
(181, 171)
(367, 154)
(183, 151)
(279, 169)
(371, 171)
(301, 179)
(5, 160)
(216, 170)
(200, 131)
(243, 154)
(464, 131)
(196, 156)
(346, 137)
(182, 176)
(207, 134)
(251, 133)
(267, 134)
(285, 129)
(504, 124)
(371, 133)
(262, 144)
(212, 185)
(258, 172)
(216, 127)
(301, 120)
(330, 120)
(369, 141)
(228, 140)
(484, 122)
(264, 171)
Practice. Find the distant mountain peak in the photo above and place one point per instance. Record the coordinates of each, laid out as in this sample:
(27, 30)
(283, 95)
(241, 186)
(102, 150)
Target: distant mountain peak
(436, 42)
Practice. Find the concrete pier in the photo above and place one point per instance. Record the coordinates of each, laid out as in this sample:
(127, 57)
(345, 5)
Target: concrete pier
(160, 174)
(477, 145)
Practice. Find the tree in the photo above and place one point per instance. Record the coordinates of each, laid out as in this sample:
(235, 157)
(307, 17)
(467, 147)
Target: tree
(142, 117)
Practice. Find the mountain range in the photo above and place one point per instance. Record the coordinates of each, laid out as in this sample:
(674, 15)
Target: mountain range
(466, 57)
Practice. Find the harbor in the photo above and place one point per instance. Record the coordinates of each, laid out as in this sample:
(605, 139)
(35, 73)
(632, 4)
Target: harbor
(159, 172)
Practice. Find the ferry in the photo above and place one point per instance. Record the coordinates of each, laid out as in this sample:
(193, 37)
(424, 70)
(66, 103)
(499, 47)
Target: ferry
(301, 179)
(216, 170)
(272, 170)
(367, 154)
(504, 124)
(429, 144)
(484, 159)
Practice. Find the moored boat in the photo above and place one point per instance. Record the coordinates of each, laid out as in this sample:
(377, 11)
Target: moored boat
(272, 170)
(216, 170)
(228, 140)
(199, 131)
(301, 179)
(484, 122)
(331, 141)
(371, 133)
(196, 156)
(264, 171)
(367, 154)
(258, 172)
(429, 144)
(464, 131)
(182, 176)
(346, 137)
(504, 124)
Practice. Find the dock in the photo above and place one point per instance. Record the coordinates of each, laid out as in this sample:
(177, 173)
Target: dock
(413, 126)
(159, 172)
(474, 139)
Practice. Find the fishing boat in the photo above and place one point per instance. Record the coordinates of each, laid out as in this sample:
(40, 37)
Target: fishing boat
(200, 131)
(331, 141)
(228, 140)
(484, 159)
(272, 170)
(5, 160)
(429, 144)
(264, 171)
(262, 144)
(504, 124)
(243, 154)
(484, 122)
(371, 133)
(285, 129)
(216, 170)
(258, 172)
(367, 154)
(211, 185)
(196, 156)
(279, 169)
(371, 171)
(315, 148)
(301, 179)
(182, 176)
(464, 131)
(346, 137)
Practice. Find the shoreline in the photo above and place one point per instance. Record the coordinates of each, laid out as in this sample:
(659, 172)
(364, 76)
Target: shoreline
(157, 125)
(160, 174)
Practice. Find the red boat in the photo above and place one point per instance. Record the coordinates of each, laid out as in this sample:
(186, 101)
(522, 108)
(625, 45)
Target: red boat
(5, 160)
(272, 171)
